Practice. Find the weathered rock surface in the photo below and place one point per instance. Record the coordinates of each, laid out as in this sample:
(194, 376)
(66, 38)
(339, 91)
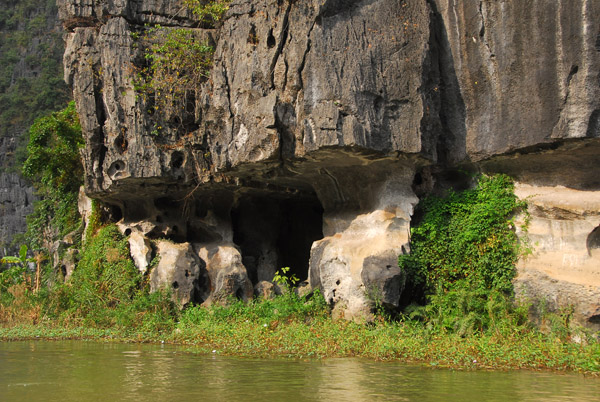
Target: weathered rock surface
(564, 267)
(180, 271)
(305, 146)
(228, 276)
(141, 251)
(16, 202)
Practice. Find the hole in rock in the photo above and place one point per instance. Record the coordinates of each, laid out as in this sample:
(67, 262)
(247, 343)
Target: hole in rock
(595, 319)
(175, 285)
(116, 214)
(116, 168)
(63, 270)
(239, 294)
(274, 232)
(121, 143)
(252, 37)
(271, 39)
(593, 240)
(177, 160)
(127, 232)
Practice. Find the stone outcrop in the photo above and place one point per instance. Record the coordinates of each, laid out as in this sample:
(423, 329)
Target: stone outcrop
(564, 234)
(321, 122)
(180, 271)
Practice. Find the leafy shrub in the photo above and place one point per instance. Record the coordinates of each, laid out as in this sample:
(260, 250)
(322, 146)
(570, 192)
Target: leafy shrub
(53, 164)
(177, 63)
(286, 307)
(107, 290)
(463, 254)
(208, 13)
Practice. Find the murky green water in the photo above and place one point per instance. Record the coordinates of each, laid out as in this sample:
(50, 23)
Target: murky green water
(90, 371)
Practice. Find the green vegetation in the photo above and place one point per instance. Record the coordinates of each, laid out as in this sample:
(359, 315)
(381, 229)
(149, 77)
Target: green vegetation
(53, 164)
(177, 63)
(463, 256)
(208, 13)
(107, 291)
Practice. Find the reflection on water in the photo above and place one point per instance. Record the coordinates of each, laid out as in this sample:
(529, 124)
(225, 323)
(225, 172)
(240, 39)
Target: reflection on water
(90, 371)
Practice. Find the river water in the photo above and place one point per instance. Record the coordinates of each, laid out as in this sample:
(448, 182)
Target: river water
(92, 371)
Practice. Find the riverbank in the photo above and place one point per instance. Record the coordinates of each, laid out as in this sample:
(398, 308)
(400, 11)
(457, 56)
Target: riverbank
(264, 329)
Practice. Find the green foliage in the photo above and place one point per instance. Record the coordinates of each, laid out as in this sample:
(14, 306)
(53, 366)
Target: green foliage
(175, 64)
(14, 273)
(287, 307)
(284, 279)
(53, 164)
(178, 62)
(175, 61)
(463, 253)
(53, 160)
(106, 289)
(209, 13)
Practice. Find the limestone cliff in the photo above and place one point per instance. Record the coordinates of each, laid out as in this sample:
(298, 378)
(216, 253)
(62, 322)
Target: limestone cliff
(320, 124)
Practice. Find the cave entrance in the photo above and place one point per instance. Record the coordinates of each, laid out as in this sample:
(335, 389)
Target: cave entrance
(276, 231)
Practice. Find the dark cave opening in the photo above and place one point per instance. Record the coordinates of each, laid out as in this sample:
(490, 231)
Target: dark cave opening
(593, 240)
(274, 232)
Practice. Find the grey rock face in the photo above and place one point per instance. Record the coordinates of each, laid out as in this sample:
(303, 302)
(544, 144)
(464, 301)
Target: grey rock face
(16, 202)
(303, 146)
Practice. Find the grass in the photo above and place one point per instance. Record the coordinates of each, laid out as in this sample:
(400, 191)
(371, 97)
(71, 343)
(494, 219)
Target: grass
(289, 326)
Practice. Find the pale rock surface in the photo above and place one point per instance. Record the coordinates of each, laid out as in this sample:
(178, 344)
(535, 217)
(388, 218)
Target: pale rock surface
(564, 236)
(140, 249)
(228, 276)
(178, 270)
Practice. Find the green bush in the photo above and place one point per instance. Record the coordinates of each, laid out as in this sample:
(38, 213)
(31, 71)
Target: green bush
(286, 307)
(177, 63)
(106, 289)
(54, 166)
(208, 12)
(463, 254)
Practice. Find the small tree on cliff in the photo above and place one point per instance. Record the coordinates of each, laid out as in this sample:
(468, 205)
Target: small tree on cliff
(54, 166)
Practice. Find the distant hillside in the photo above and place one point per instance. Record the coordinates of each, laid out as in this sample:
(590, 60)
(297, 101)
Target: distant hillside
(31, 85)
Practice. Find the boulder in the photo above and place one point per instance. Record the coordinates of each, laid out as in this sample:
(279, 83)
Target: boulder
(228, 275)
(179, 271)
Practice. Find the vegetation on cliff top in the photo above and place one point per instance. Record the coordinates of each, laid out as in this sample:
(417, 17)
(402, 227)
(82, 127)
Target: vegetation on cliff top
(173, 64)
